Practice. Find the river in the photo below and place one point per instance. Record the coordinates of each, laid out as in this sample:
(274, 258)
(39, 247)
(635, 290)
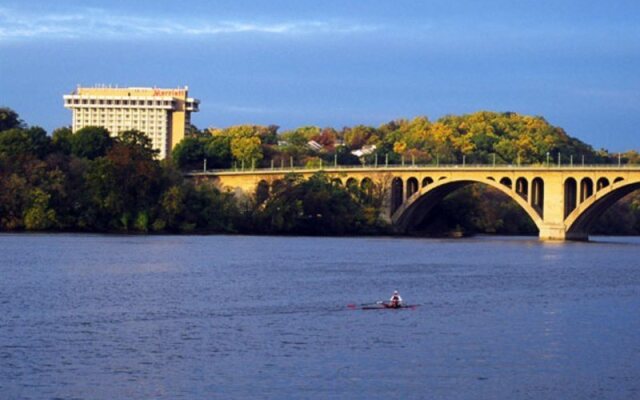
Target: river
(243, 317)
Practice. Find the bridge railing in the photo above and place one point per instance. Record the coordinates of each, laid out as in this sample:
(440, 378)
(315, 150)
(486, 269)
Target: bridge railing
(398, 167)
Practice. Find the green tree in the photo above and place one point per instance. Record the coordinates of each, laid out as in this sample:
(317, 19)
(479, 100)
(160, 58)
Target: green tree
(217, 151)
(39, 216)
(62, 139)
(189, 153)
(19, 142)
(9, 119)
(140, 144)
(14, 198)
(91, 142)
(314, 206)
(246, 149)
(301, 136)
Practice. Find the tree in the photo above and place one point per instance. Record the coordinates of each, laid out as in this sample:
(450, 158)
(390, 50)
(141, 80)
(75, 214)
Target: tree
(140, 143)
(315, 206)
(217, 151)
(39, 216)
(246, 149)
(300, 136)
(14, 190)
(91, 142)
(358, 136)
(105, 195)
(61, 139)
(9, 119)
(18, 142)
(189, 153)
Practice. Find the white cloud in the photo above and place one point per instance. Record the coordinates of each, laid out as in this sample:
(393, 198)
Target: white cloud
(97, 23)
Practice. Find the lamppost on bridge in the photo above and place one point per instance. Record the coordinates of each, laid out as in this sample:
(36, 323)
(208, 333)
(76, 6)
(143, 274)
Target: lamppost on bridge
(559, 157)
(547, 158)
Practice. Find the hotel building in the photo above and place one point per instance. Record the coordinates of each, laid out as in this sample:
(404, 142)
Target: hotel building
(162, 114)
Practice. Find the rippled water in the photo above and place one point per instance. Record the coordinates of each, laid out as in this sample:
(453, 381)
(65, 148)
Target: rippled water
(102, 317)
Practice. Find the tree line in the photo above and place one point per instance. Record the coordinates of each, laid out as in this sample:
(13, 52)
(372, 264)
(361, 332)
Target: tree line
(479, 138)
(89, 181)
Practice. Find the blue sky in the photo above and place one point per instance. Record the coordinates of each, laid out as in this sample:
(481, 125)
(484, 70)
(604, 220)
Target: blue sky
(336, 63)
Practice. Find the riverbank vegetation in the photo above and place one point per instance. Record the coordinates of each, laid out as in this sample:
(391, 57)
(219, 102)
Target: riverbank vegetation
(89, 181)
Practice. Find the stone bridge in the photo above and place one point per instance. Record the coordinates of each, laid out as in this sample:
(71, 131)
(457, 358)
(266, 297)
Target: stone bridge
(562, 201)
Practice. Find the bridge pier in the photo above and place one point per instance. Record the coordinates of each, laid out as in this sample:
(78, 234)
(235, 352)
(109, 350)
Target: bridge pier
(553, 232)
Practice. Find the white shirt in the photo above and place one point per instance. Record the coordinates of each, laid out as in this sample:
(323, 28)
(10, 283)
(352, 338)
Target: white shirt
(398, 296)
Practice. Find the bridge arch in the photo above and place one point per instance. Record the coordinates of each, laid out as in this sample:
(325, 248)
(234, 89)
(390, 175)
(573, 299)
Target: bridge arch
(412, 186)
(537, 194)
(367, 187)
(570, 196)
(581, 219)
(522, 188)
(397, 193)
(427, 181)
(586, 189)
(602, 183)
(506, 181)
(416, 207)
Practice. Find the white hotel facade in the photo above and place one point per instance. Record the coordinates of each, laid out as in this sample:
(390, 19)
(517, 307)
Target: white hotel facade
(162, 114)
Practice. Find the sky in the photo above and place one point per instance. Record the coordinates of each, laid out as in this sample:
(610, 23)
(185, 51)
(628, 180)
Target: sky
(336, 63)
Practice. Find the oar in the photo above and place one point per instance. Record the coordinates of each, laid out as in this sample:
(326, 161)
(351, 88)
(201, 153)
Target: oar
(354, 306)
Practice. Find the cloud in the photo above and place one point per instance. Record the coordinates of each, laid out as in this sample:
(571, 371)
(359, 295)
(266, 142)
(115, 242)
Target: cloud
(100, 24)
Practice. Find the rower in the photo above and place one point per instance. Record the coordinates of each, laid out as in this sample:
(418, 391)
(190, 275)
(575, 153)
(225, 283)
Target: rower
(395, 301)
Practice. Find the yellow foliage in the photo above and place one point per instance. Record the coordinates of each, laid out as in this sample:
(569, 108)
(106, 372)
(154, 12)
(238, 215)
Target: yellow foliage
(464, 144)
(441, 133)
(399, 147)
